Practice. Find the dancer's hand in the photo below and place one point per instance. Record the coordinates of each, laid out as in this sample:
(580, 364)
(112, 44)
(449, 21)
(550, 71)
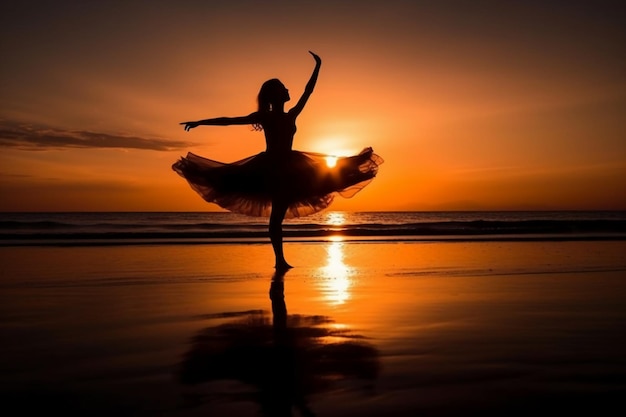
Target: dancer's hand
(189, 125)
(318, 60)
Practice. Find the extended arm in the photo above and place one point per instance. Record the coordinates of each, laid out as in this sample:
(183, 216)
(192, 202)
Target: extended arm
(223, 121)
(309, 87)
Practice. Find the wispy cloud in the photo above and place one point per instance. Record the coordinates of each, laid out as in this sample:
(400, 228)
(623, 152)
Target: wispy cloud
(31, 137)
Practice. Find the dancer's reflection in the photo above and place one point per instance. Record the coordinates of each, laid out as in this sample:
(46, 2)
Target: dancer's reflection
(285, 360)
(288, 386)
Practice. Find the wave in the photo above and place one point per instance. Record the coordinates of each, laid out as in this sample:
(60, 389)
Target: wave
(129, 229)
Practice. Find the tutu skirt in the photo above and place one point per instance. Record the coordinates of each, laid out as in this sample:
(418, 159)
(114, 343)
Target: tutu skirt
(305, 181)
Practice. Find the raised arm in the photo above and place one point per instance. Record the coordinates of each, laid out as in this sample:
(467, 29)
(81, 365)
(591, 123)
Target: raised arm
(224, 121)
(295, 111)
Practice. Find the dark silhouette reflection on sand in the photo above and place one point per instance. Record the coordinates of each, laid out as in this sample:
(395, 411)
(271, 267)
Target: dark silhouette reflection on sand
(284, 360)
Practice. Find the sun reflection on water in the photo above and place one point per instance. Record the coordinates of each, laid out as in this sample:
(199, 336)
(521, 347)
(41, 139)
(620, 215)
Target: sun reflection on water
(338, 275)
(335, 218)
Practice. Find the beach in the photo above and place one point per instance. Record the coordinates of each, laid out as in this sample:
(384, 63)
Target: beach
(356, 328)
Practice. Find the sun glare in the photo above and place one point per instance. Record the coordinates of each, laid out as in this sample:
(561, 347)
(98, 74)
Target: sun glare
(335, 218)
(331, 161)
(338, 275)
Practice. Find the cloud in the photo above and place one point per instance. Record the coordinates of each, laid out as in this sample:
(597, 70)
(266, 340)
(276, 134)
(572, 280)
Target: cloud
(30, 137)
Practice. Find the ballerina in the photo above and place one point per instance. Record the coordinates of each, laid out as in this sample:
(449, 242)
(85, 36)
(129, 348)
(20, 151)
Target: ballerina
(279, 182)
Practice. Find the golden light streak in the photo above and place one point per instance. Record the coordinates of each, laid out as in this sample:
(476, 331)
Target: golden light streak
(335, 218)
(337, 283)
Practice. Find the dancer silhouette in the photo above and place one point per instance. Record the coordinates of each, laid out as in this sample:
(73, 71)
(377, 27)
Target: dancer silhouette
(279, 182)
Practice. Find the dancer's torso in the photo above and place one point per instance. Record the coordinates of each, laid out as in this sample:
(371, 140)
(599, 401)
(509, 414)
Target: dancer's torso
(279, 131)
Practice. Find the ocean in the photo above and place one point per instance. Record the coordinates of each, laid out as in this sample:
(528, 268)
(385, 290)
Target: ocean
(126, 228)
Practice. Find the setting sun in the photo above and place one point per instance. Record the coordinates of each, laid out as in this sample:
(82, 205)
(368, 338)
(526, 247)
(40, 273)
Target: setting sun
(331, 161)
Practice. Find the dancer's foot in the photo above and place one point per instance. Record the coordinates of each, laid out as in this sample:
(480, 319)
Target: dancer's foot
(282, 265)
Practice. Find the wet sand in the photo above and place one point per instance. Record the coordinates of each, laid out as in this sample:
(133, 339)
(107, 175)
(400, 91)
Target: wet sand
(439, 328)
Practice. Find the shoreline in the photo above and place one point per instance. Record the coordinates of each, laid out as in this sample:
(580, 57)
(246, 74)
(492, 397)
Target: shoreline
(114, 240)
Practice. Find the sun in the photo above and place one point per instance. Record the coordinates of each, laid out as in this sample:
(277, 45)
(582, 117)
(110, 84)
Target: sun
(331, 161)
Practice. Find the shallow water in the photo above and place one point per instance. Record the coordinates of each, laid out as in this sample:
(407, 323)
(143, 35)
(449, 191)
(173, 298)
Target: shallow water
(368, 328)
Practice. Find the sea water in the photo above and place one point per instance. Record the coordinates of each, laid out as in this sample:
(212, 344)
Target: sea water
(223, 227)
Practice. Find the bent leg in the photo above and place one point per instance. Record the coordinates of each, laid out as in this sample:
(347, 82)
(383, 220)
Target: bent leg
(276, 233)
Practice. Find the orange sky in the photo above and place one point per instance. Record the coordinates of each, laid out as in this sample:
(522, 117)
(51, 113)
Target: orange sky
(473, 105)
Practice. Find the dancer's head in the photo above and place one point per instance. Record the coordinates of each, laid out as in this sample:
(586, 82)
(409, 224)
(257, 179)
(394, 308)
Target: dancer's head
(272, 93)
